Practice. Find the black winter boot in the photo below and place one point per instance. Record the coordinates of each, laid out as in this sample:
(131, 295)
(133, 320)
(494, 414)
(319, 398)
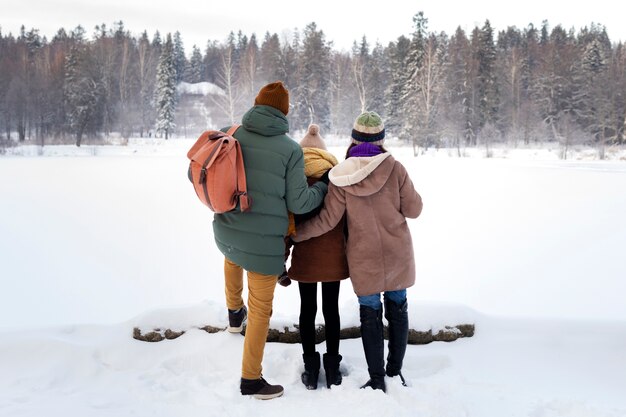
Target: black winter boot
(331, 367)
(398, 317)
(373, 345)
(311, 370)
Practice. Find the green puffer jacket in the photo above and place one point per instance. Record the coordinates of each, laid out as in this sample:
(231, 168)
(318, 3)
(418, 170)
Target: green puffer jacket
(276, 184)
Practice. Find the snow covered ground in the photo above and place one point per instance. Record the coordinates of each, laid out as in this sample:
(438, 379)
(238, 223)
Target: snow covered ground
(97, 240)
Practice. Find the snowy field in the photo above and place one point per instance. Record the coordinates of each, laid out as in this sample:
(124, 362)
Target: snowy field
(98, 240)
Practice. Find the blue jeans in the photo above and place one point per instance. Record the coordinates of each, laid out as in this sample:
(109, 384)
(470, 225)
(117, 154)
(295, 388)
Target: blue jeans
(373, 301)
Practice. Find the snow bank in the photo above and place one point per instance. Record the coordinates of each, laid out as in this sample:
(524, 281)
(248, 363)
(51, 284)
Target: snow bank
(203, 88)
(511, 367)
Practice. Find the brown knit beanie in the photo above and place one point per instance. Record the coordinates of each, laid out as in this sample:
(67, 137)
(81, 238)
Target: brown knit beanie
(275, 95)
(312, 139)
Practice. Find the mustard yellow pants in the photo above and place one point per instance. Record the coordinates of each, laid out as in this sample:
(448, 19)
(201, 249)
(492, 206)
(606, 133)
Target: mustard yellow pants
(260, 297)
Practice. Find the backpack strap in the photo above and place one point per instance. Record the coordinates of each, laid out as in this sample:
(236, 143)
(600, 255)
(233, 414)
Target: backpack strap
(232, 130)
(210, 159)
(242, 187)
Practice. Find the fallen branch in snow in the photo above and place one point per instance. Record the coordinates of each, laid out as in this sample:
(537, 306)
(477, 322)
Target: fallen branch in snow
(416, 337)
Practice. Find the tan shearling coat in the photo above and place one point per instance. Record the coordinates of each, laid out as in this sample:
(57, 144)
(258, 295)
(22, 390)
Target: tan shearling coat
(376, 195)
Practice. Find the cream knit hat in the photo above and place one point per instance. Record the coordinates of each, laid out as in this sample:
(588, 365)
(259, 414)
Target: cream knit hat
(368, 127)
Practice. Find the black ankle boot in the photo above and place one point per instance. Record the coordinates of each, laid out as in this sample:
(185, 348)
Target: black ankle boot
(376, 383)
(373, 346)
(331, 367)
(311, 370)
(398, 318)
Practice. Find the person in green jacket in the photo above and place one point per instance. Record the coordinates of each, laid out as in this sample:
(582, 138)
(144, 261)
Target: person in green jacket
(254, 240)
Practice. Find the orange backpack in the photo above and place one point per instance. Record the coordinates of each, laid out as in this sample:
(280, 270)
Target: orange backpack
(217, 172)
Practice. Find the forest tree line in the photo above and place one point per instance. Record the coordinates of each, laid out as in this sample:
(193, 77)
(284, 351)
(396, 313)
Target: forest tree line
(432, 89)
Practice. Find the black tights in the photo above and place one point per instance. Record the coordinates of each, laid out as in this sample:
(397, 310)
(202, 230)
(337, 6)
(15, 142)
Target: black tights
(308, 310)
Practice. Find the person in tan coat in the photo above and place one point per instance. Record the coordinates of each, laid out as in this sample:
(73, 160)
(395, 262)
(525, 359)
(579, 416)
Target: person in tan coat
(375, 194)
(320, 259)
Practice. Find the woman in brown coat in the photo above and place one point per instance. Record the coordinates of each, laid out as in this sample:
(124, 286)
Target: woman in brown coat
(376, 195)
(322, 259)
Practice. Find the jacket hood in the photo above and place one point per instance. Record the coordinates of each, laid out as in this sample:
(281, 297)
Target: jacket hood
(265, 120)
(363, 176)
(317, 161)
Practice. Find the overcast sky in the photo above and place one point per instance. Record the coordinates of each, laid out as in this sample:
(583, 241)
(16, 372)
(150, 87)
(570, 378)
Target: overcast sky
(342, 21)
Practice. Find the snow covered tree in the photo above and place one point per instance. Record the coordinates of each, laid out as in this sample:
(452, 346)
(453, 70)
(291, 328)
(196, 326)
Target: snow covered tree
(270, 59)
(360, 66)
(617, 82)
(180, 62)
(377, 79)
(553, 90)
(532, 47)
(226, 78)
(509, 67)
(425, 72)
(369, 72)
(126, 105)
(248, 69)
(195, 69)
(488, 96)
(430, 85)
(147, 61)
(103, 71)
(345, 103)
(165, 93)
(289, 68)
(313, 100)
(82, 96)
(591, 98)
(212, 61)
(457, 92)
(398, 55)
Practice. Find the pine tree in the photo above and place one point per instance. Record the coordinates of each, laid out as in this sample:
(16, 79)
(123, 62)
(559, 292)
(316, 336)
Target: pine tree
(509, 66)
(415, 99)
(195, 69)
(156, 41)
(398, 55)
(487, 82)
(147, 61)
(592, 95)
(345, 104)
(270, 59)
(180, 62)
(165, 93)
(81, 94)
(314, 99)
(377, 79)
(619, 92)
(532, 48)
(554, 89)
(457, 89)
(212, 61)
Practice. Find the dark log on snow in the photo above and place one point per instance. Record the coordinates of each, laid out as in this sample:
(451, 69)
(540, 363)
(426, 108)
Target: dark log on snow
(416, 337)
